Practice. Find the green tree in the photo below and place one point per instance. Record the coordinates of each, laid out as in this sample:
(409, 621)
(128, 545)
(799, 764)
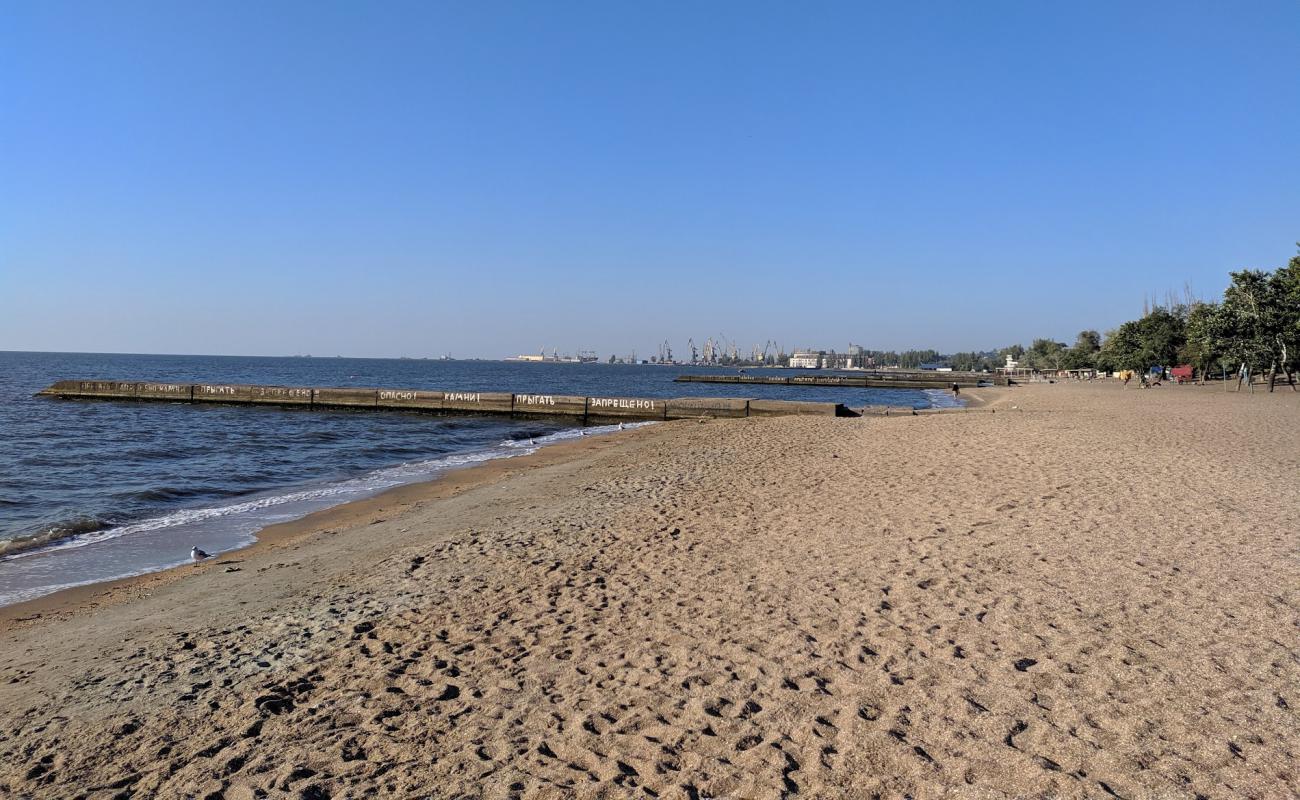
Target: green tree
(1122, 349)
(1284, 317)
(1044, 354)
(970, 362)
(1015, 351)
(1083, 355)
(1288, 288)
(1161, 334)
(1201, 345)
(1247, 335)
(911, 359)
(1089, 341)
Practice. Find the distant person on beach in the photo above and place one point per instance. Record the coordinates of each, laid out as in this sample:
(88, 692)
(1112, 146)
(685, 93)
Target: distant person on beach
(956, 390)
(1128, 376)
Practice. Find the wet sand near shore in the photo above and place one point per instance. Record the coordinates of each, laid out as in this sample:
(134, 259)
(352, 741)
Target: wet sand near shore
(329, 521)
(1090, 592)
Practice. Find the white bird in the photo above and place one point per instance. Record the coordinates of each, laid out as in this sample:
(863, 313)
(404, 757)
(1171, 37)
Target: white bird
(197, 554)
(620, 426)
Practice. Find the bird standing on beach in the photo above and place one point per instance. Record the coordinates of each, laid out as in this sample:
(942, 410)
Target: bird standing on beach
(197, 554)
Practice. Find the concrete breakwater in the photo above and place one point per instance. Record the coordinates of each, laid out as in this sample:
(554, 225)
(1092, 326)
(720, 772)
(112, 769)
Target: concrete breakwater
(883, 379)
(588, 409)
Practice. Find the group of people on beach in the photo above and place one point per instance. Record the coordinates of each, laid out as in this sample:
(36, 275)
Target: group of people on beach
(1146, 382)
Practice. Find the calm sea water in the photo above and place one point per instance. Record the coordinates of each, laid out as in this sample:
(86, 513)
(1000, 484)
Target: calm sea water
(93, 491)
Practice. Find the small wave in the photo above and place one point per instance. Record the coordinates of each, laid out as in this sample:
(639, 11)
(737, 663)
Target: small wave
(531, 444)
(78, 526)
(390, 451)
(941, 398)
(152, 454)
(318, 436)
(182, 517)
(524, 434)
(172, 494)
(76, 534)
(160, 494)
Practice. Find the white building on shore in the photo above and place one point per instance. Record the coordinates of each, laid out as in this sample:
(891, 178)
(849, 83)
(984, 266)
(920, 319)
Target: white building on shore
(807, 359)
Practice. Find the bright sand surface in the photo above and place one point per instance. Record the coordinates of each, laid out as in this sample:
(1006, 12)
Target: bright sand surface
(1092, 592)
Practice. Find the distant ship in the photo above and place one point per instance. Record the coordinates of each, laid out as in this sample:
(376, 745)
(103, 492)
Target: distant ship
(554, 357)
(426, 358)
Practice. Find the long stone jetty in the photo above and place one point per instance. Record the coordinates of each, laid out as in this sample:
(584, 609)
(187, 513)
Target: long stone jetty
(607, 409)
(880, 379)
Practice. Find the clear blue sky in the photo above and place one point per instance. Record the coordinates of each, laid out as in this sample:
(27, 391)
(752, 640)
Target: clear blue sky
(486, 178)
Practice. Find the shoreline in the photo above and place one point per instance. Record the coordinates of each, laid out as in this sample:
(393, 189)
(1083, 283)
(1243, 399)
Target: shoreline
(78, 599)
(976, 602)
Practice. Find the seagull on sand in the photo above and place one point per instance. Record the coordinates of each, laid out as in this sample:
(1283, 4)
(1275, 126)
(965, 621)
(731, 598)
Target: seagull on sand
(197, 554)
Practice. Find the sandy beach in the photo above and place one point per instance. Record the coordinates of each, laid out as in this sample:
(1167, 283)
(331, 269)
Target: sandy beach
(1075, 590)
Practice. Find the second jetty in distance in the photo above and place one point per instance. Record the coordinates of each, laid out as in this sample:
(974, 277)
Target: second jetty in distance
(584, 408)
(875, 379)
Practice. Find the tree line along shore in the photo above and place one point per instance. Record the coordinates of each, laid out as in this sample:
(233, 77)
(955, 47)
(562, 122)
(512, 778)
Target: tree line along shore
(1254, 329)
